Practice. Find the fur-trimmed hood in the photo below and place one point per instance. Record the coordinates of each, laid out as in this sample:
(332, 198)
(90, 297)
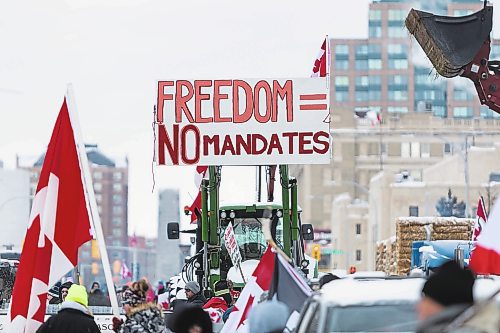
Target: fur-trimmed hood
(146, 317)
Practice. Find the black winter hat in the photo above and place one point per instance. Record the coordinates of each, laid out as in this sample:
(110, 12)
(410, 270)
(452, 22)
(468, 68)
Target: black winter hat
(450, 285)
(66, 285)
(187, 316)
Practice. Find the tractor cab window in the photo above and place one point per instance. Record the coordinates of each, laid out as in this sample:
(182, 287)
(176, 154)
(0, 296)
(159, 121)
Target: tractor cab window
(249, 233)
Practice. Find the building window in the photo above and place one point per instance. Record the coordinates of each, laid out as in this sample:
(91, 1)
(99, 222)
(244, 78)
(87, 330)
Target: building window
(487, 113)
(394, 50)
(374, 80)
(117, 210)
(117, 176)
(97, 187)
(342, 49)
(413, 210)
(342, 65)
(462, 94)
(462, 112)
(361, 50)
(117, 199)
(398, 95)
(362, 81)
(415, 149)
(358, 228)
(341, 81)
(398, 63)
(361, 65)
(383, 149)
(462, 12)
(117, 232)
(341, 96)
(117, 187)
(448, 149)
(375, 31)
(361, 96)
(375, 63)
(397, 109)
(397, 14)
(439, 111)
(400, 80)
(97, 175)
(425, 149)
(375, 15)
(358, 255)
(98, 197)
(374, 95)
(117, 221)
(397, 32)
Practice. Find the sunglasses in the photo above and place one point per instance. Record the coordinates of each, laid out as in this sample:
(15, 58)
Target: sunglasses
(186, 290)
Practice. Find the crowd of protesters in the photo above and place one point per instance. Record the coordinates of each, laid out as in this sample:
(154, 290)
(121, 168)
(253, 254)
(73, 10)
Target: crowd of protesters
(445, 295)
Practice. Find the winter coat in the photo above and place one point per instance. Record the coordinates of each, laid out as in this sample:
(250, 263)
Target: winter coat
(145, 318)
(198, 300)
(438, 322)
(73, 317)
(97, 298)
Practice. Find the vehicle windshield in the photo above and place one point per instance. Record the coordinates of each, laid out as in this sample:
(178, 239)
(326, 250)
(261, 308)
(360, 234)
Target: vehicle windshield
(250, 237)
(10, 255)
(373, 318)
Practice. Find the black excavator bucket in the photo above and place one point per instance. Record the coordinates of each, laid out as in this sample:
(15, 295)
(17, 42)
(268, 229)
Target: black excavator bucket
(450, 43)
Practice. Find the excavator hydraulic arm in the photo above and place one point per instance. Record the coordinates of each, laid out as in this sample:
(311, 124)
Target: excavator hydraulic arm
(460, 46)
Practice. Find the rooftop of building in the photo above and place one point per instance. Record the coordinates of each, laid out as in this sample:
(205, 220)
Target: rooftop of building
(94, 155)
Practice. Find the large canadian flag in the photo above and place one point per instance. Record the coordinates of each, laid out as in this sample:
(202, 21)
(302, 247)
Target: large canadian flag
(485, 259)
(259, 282)
(59, 225)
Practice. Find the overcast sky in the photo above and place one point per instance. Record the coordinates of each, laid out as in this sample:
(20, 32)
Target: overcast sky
(114, 51)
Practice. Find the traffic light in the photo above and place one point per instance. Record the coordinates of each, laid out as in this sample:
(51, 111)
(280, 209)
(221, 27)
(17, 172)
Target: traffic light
(95, 268)
(95, 250)
(117, 266)
(316, 252)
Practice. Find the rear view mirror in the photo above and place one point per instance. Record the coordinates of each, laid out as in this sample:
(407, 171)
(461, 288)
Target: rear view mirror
(173, 230)
(307, 232)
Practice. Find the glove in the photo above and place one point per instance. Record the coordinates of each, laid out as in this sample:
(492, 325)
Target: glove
(117, 323)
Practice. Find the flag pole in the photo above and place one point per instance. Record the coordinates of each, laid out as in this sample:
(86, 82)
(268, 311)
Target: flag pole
(90, 196)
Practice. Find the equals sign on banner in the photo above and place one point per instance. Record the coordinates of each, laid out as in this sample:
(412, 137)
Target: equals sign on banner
(313, 102)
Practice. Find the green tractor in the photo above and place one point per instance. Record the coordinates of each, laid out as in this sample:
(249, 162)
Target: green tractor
(250, 221)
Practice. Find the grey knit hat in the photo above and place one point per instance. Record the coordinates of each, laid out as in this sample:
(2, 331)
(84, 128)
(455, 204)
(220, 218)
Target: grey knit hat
(193, 286)
(268, 317)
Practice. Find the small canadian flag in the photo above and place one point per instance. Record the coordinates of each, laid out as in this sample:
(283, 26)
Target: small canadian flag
(196, 205)
(320, 69)
(485, 258)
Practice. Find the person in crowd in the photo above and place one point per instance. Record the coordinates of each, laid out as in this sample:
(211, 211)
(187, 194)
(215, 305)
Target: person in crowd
(191, 319)
(141, 316)
(445, 295)
(94, 287)
(194, 295)
(234, 293)
(219, 304)
(74, 316)
(63, 290)
(327, 278)
(268, 317)
(97, 298)
(53, 293)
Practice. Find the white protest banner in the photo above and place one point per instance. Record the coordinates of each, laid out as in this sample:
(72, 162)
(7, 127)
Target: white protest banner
(243, 122)
(232, 245)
